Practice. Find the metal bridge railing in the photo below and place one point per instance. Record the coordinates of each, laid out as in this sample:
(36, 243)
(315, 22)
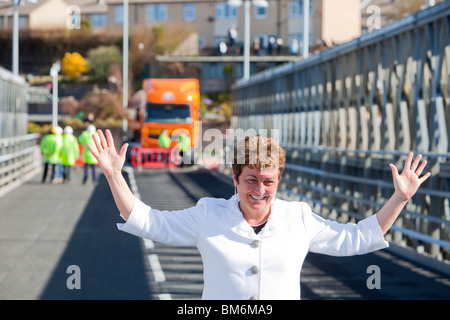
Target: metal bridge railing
(19, 152)
(348, 186)
(19, 157)
(13, 105)
(344, 114)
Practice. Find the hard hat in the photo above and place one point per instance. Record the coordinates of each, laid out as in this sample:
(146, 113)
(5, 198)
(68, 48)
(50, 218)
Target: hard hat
(68, 130)
(91, 128)
(57, 130)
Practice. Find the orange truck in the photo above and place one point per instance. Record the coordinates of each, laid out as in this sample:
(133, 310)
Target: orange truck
(172, 105)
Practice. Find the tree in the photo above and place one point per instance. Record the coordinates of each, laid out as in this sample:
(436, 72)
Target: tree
(103, 104)
(73, 65)
(102, 61)
(169, 36)
(147, 42)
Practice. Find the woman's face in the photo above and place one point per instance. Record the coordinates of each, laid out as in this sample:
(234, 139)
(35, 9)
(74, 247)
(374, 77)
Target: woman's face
(256, 189)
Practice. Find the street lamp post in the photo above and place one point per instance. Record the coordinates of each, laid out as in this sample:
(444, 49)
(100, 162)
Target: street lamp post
(305, 52)
(125, 66)
(56, 67)
(256, 3)
(15, 38)
(247, 40)
(15, 34)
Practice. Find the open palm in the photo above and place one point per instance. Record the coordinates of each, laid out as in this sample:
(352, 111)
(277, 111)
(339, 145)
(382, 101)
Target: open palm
(105, 152)
(407, 183)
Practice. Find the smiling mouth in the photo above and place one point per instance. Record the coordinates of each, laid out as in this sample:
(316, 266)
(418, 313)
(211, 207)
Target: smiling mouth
(258, 198)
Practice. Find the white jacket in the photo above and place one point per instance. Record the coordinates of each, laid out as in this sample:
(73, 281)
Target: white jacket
(239, 264)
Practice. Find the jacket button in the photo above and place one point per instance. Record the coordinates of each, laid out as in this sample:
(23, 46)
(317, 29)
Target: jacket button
(254, 269)
(256, 243)
(253, 298)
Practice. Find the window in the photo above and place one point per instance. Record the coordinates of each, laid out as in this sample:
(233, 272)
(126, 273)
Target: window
(22, 22)
(212, 70)
(156, 12)
(299, 38)
(264, 39)
(118, 14)
(296, 36)
(168, 113)
(296, 8)
(224, 11)
(189, 12)
(218, 39)
(99, 20)
(260, 13)
(201, 41)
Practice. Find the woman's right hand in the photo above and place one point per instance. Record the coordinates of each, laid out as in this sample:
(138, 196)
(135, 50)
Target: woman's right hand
(111, 163)
(105, 152)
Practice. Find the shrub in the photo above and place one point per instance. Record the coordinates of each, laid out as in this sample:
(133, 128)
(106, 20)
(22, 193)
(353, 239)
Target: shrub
(102, 60)
(73, 65)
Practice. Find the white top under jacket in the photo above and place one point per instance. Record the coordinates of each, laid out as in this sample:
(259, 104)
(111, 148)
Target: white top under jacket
(239, 264)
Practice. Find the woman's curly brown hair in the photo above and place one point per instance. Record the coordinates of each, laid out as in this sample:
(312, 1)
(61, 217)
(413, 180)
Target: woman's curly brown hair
(258, 152)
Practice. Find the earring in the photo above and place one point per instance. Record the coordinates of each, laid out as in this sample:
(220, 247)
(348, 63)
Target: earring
(235, 190)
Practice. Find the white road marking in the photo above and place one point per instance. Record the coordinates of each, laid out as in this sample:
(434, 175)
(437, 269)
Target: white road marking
(165, 296)
(156, 268)
(153, 259)
(132, 181)
(148, 244)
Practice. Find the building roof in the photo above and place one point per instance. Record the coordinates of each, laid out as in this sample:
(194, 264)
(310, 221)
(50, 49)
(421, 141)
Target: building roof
(90, 6)
(86, 6)
(6, 8)
(158, 1)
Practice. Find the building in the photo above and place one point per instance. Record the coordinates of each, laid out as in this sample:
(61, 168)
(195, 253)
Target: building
(210, 19)
(213, 19)
(273, 29)
(44, 14)
(341, 20)
(94, 12)
(330, 20)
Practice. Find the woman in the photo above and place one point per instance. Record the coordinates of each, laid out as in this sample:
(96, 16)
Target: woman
(253, 245)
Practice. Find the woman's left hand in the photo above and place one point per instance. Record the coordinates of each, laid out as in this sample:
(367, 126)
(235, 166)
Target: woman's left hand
(407, 183)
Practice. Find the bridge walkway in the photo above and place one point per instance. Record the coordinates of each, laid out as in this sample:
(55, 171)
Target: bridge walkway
(46, 228)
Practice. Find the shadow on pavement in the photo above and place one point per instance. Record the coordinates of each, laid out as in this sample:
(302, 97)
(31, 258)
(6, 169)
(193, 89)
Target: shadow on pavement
(111, 262)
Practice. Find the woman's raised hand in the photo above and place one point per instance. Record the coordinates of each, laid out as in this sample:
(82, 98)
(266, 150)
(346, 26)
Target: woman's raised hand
(407, 183)
(105, 152)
